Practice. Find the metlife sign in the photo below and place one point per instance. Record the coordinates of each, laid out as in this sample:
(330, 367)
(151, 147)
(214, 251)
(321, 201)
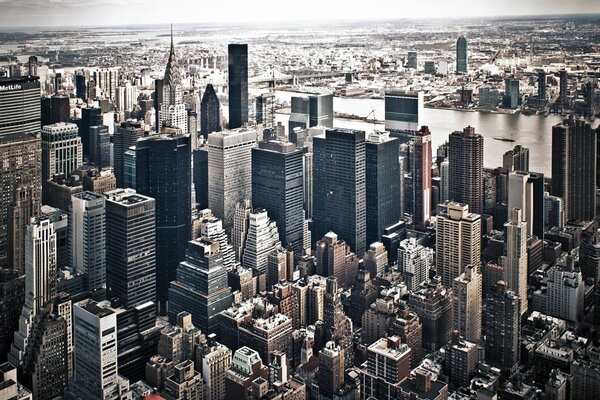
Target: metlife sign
(11, 87)
(15, 86)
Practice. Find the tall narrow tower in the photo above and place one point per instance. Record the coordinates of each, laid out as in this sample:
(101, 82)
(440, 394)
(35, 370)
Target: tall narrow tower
(238, 85)
(465, 155)
(515, 261)
(461, 56)
(172, 110)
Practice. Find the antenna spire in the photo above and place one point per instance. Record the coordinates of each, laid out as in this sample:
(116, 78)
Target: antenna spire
(172, 36)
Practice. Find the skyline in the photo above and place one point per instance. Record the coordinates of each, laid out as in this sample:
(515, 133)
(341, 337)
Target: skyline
(72, 13)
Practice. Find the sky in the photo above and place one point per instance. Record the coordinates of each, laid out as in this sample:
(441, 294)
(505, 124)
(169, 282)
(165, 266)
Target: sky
(18, 13)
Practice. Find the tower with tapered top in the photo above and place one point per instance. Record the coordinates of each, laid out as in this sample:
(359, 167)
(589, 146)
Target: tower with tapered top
(172, 109)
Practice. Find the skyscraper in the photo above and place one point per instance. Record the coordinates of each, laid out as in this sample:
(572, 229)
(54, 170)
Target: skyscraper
(465, 155)
(215, 359)
(130, 247)
(339, 186)
(126, 135)
(420, 170)
(90, 116)
(520, 195)
(99, 146)
(515, 261)
(95, 340)
(212, 228)
(210, 112)
(511, 92)
(458, 241)
(278, 187)
(502, 328)
(229, 171)
(262, 238)
(468, 292)
(163, 172)
(87, 238)
(574, 168)
(461, 56)
(382, 177)
(172, 108)
(320, 110)
(61, 152)
(238, 85)
(335, 259)
(541, 81)
(12, 298)
(80, 85)
(564, 87)
(200, 286)
(20, 174)
(388, 363)
(32, 65)
(414, 261)
(516, 159)
(265, 110)
(403, 111)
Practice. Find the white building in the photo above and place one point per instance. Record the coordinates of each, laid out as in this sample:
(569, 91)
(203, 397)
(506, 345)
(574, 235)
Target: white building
(467, 288)
(414, 261)
(261, 240)
(565, 294)
(515, 261)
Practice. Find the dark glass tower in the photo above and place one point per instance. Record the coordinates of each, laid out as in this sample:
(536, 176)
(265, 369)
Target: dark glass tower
(539, 204)
(201, 177)
(89, 117)
(574, 168)
(238, 85)
(278, 187)
(339, 195)
(201, 286)
(99, 146)
(130, 247)
(126, 135)
(55, 109)
(321, 110)
(80, 86)
(465, 155)
(163, 171)
(383, 184)
(210, 112)
(461, 55)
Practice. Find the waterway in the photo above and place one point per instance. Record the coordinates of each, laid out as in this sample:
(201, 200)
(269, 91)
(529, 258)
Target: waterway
(534, 132)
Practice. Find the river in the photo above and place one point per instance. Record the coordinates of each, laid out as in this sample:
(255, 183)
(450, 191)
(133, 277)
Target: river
(534, 132)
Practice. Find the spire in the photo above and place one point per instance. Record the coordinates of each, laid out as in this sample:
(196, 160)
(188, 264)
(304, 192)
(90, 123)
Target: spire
(172, 46)
(172, 75)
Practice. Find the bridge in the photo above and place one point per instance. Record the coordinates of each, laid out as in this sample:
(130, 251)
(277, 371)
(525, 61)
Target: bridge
(274, 77)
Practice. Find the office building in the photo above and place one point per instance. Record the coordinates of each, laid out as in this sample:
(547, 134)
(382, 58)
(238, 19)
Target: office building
(461, 56)
(332, 372)
(20, 175)
(320, 110)
(403, 111)
(163, 172)
(32, 66)
(336, 325)
(200, 286)
(299, 117)
(229, 171)
(130, 247)
(420, 171)
(565, 290)
(468, 293)
(388, 364)
(541, 81)
(126, 135)
(589, 256)
(172, 108)
(265, 110)
(185, 383)
(55, 109)
(339, 186)
(238, 85)
(200, 178)
(520, 196)
(246, 366)
(210, 112)
(334, 258)
(214, 359)
(95, 340)
(458, 241)
(515, 261)
(278, 187)
(81, 85)
(99, 146)
(12, 298)
(574, 168)
(465, 156)
(90, 116)
(512, 97)
(87, 238)
(212, 228)
(376, 259)
(382, 174)
(433, 304)
(537, 223)
(267, 335)
(414, 262)
(61, 152)
(239, 232)
(107, 80)
(461, 360)
(563, 87)
(516, 159)
(502, 327)
(262, 239)
(411, 60)
(12, 388)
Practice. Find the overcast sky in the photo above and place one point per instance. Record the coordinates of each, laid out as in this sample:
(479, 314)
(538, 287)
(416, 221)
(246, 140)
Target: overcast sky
(120, 12)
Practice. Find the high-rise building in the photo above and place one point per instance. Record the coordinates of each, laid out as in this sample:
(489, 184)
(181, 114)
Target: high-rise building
(267, 335)
(126, 135)
(211, 227)
(515, 261)
(99, 146)
(461, 56)
(130, 247)
(238, 85)
(262, 239)
(81, 85)
(382, 174)
(520, 195)
(420, 170)
(574, 168)
(299, 117)
(414, 261)
(40, 283)
(564, 87)
(340, 187)
(246, 366)
(465, 156)
(163, 172)
(32, 65)
(320, 110)
(185, 383)
(172, 108)
(87, 238)
(411, 60)
(278, 187)
(458, 241)
(376, 259)
(215, 360)
(239, 232)
(55, 109)
(200, 286)
(516, 159)
(265, 110)
(20, 174)
(512, 96)
(337, 326)
(107, 80)
(331, 370)
(95, 340)
(541, 81)
(433, 304)
(90, 116)
(461, 359)
(200, 178)
(468, 293)
(335, 259)
(403, 111)
(538, 222)
(12, 298)
(565, 290)
(210, 112)
(388, 363)
(61, 152)
(502, 327)
(589, 256)
(229, 171)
